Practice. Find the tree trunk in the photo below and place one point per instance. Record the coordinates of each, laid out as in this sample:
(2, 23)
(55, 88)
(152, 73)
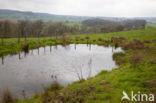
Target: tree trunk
(2, 40)
(39, 37)
(18, 39)
(25, 38)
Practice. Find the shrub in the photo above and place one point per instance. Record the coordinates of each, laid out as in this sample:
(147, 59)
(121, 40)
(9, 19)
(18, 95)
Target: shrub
(77, 38)
(100, 39)
(87, 37)
(55, 86)
(38, 45)
(106, 41)
(25, 47)
(94, 40)
(54, 40)
(65, 38)
(81, 39)
(118, 39)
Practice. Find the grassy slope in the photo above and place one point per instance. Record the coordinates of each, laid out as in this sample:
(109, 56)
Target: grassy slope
(107, 87)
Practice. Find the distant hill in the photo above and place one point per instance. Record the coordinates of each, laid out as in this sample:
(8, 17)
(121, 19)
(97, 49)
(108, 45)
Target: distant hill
(27, 15)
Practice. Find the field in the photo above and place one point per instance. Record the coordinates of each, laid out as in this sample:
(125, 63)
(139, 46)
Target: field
(136, 71)
(151, 25)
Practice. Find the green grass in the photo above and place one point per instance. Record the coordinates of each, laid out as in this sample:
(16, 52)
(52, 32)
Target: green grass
(151, 25)
(106, 87)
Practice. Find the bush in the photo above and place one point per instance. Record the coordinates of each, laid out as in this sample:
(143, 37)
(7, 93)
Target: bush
(25, 47)
(65, 38)
(100, 39)
(77, 38)
(118, 39)
(87, 37)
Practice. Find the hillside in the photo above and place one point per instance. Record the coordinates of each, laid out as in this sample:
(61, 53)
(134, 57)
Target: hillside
(28, 15)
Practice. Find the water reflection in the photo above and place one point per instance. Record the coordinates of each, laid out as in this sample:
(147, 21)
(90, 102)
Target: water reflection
(75, 46)
(50, 48)
(19, 55)
(38, 51)
(90, 47)
(25, 74)
(44, 50)
(2, 59)
(32, 52)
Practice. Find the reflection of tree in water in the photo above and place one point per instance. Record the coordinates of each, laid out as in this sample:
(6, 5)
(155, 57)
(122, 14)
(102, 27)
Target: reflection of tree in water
(75, 66)
(67, 47)
(90, 67)
(82, 69)
(2, 59)
(50, 48)
(19, 55)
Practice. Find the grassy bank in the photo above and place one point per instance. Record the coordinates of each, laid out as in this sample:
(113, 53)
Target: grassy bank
(11, 46)
(136, 71)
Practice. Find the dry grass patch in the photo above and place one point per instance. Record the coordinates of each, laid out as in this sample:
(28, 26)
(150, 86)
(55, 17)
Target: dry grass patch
(7, 97)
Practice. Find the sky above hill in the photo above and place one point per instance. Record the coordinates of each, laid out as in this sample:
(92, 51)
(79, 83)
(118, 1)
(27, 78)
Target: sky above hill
(108, 8)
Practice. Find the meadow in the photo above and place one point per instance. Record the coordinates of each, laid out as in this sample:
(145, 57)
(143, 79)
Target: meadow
(136, 71)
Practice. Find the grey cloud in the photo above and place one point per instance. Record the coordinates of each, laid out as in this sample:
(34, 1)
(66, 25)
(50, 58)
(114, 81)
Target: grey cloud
(124, 8)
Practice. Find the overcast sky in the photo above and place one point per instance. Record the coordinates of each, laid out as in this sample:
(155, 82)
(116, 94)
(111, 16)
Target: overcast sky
(109, 8)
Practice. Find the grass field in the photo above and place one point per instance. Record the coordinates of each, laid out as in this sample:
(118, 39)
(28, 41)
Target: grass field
(136, 71)
(151, 25)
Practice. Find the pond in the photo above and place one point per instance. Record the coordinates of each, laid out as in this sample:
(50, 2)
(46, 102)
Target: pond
(31, 72)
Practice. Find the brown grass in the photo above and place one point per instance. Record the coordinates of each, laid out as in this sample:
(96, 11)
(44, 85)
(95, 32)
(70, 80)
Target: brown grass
(51, 94)
(81, 39)
(135, 44)
(99, 39)
(77, 38)
(65, 38)
(137, 58)
(118, 39)
(7, 97)
(154, 41)
(153, 61)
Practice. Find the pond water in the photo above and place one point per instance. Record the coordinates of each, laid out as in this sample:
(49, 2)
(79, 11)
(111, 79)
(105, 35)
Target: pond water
(39, 68)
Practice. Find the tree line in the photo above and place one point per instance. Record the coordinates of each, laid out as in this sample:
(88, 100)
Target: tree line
(105, 26)
(23, 28)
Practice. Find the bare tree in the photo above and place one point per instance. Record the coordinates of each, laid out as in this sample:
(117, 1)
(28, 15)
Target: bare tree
(38, 26)
(1, 32)
(5, 30)
(22, 29)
